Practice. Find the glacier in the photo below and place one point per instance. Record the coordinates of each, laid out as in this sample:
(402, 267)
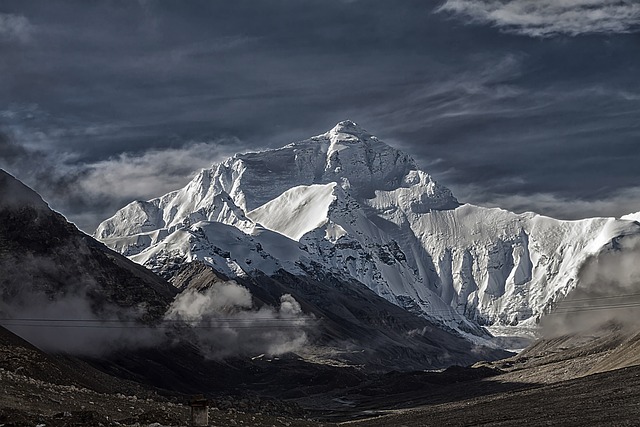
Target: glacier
(345, 203)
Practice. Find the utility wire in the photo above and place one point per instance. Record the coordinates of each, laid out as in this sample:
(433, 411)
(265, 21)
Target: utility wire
(149, 327)
(181, 321)
(236, 323)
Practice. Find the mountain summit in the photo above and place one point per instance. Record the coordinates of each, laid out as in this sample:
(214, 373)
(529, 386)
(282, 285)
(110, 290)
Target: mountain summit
(345, 204)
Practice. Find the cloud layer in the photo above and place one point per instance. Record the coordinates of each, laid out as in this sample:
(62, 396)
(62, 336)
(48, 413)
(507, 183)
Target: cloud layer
(546, 18)
(100, 93)
(73, 316)
(92, 190)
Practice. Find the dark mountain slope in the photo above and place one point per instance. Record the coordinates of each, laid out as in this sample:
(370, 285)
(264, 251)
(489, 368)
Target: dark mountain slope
(354, 325)
(41, 253)
(20, 357)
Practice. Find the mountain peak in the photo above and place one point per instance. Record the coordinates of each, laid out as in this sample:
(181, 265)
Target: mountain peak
(347, 156)
(349, 127)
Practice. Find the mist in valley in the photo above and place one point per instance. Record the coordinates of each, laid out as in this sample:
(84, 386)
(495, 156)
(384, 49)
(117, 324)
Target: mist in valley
(607, 295)
(77, 319)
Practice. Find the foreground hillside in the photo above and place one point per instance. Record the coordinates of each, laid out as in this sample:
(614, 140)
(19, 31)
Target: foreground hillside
(605, 399)
(586, 378)
(51, 269)
(59, 391)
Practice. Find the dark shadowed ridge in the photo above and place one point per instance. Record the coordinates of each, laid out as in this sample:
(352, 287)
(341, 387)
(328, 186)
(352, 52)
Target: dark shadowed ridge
(353, 323)
(15, 195)
(45, 258)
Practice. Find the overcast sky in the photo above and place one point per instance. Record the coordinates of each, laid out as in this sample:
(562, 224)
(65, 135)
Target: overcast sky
(523, 104)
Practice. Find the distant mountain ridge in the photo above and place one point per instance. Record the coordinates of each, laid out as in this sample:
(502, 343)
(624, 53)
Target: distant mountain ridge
(347, 204)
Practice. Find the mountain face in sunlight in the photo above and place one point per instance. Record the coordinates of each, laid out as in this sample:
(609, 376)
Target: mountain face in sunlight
(347, 204)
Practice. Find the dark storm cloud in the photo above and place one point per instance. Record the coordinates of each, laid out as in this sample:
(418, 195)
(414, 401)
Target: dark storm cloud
(99, 91)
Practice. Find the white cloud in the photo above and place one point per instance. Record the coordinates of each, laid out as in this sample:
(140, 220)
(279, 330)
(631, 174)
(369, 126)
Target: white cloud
(88, 192)
(150, 174)
(226, 323)
(15, 27)
(624, 200)
(606, 293)
(546, 18)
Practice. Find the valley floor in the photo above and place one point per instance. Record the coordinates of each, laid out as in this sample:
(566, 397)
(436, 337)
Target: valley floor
(584, 379)
(610, 398)
(567, 381)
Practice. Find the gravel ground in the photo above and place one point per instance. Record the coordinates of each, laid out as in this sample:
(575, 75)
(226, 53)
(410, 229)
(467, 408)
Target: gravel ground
(569, 381)
(604, 399)
(25, 401)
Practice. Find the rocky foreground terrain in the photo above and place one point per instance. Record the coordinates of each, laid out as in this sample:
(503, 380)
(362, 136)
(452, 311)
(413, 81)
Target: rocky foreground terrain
(592, 379)
(39, 389)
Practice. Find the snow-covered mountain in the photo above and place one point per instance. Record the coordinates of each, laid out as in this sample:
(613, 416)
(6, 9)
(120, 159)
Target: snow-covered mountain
(51, 270)
(344, 203)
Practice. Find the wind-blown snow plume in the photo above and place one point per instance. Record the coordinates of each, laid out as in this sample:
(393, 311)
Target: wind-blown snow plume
(608, 292)
(225, 322)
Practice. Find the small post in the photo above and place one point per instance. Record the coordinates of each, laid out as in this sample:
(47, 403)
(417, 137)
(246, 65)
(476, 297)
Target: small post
(199, 411)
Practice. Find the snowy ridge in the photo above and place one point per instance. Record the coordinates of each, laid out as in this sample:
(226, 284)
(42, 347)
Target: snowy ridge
(347, 204)
(309, 205)
(224, 247)
(347, 155)
(141, 224)
(632, 217)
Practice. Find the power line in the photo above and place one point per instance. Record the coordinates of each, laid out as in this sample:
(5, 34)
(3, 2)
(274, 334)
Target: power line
(258, 323)
(150, 327)
(176, 321)
(594, 308)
